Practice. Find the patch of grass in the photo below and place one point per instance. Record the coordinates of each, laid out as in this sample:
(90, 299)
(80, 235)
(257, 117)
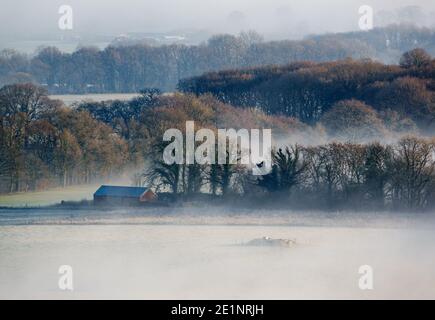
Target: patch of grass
(48, 197)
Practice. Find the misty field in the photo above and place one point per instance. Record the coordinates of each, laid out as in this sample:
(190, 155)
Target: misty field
(70, 99)
(191, 256)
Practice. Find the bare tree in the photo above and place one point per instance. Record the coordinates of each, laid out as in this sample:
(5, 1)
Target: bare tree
(412, 172)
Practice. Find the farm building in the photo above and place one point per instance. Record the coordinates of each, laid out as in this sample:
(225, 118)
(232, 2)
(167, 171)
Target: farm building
(123, 195)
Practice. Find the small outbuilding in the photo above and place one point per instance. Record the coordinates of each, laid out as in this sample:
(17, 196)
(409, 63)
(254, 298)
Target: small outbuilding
(123, 195)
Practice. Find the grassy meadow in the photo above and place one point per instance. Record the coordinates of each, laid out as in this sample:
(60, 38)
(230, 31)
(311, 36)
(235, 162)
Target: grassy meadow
(47, 197)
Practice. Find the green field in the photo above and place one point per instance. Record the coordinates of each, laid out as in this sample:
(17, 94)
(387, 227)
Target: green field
(48, 197)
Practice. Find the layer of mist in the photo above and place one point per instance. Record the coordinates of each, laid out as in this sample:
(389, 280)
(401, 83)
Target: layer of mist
(30, 25)
(211, 262)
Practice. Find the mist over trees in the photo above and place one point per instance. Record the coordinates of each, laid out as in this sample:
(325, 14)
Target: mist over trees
(131, 68)
(346, 132)
(44, 144)
(315, 174)
(364, 90)
(307, 171)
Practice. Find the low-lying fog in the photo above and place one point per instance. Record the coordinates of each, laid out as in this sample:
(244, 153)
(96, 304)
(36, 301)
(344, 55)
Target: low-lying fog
(202, 258)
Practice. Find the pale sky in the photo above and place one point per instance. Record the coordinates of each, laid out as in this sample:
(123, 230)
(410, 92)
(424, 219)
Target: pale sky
(29, 18)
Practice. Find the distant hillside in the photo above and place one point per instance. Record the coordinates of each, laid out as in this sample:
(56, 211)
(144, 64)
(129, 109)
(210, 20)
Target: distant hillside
(388, 43)
(307, 90)
(129, 68)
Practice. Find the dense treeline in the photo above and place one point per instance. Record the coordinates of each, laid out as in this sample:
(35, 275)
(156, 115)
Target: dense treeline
(43, 144)
(336, 175)
(131, 68)
(308, 90)
(325, 175)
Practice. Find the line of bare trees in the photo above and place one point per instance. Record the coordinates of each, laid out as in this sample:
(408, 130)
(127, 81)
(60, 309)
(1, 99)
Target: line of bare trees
(129, 68)
(373, 176)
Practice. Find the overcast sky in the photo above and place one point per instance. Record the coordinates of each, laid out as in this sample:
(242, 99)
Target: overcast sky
(30, 18)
